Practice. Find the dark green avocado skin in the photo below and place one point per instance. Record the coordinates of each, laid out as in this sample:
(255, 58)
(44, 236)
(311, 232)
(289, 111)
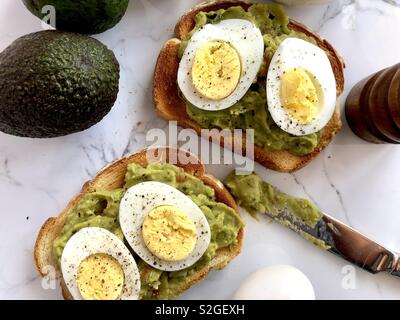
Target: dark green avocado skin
(83, 16)
(54, 83)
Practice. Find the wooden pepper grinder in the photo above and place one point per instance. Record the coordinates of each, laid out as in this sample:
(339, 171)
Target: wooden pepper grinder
(373, 107)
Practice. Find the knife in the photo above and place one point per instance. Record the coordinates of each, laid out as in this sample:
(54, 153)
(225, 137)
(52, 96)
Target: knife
(345, 242)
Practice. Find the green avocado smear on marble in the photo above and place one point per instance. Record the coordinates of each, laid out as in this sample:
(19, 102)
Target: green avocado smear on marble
(101, 209)
(256, 195)
(251, 112)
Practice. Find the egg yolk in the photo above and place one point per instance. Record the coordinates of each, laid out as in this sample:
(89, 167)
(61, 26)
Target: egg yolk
(100, 277)
(169, 233)
(300, 95)
(216, 70)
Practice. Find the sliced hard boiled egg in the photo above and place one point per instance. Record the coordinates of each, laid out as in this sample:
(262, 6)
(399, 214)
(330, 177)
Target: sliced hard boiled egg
(100, 277)
(216, 70)
(280, 282)
(163, 226)
(96, 265)
(169, 233)
(301, 87)
(220, 63)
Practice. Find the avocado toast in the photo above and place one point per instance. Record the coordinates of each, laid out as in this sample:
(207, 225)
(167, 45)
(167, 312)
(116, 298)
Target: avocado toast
(171, 105)
(155, 285)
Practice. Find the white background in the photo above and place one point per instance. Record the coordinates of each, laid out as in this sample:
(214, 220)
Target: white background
(354, 181)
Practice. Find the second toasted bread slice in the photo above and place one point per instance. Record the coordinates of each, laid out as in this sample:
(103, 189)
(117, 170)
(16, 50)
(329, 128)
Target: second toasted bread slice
(171, 106)
(112, 177)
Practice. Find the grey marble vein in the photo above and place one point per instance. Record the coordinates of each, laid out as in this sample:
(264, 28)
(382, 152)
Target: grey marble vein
(89, 173)
(393, 2)
(299, 183)
(48, 193)
(87, 154)
(97, 155)
(139, 130)
(349, 9)
(8, 175)
(333, 11)
(337, 192)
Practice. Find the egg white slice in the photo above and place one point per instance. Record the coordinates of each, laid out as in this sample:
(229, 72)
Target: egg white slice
(139, 200)
(245, 37)
(92, 240)
(297, 53)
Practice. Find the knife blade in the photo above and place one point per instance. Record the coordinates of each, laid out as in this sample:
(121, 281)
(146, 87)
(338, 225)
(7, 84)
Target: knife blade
(344, 241)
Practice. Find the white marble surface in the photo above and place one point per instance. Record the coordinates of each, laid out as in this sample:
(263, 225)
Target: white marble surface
(352, 180)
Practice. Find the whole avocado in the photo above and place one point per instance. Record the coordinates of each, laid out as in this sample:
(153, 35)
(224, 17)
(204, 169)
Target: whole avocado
(54, 83)
(84, 16)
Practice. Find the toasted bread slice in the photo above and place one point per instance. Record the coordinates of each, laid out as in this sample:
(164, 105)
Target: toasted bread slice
(170, 106)
(112, 177)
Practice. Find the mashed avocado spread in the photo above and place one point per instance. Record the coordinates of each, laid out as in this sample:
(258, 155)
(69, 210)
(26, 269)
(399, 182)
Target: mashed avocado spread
(251, 112)
(101, 209)
(256, 195)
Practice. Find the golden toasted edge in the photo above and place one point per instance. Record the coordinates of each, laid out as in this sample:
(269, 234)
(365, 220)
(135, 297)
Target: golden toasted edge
(186, 22)
(111, 177)
(170, 106)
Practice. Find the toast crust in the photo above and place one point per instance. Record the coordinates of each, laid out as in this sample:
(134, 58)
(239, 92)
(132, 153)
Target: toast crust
(170, 106)
(112, 177)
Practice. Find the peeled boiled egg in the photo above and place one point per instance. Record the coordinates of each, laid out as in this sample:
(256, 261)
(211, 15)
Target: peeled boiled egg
(220, 63)
(164, 227)
(280, 282)
(301, 87)
(96, 265)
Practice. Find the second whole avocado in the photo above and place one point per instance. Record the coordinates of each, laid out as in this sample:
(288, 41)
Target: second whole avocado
(55, 83)
(84, 16)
